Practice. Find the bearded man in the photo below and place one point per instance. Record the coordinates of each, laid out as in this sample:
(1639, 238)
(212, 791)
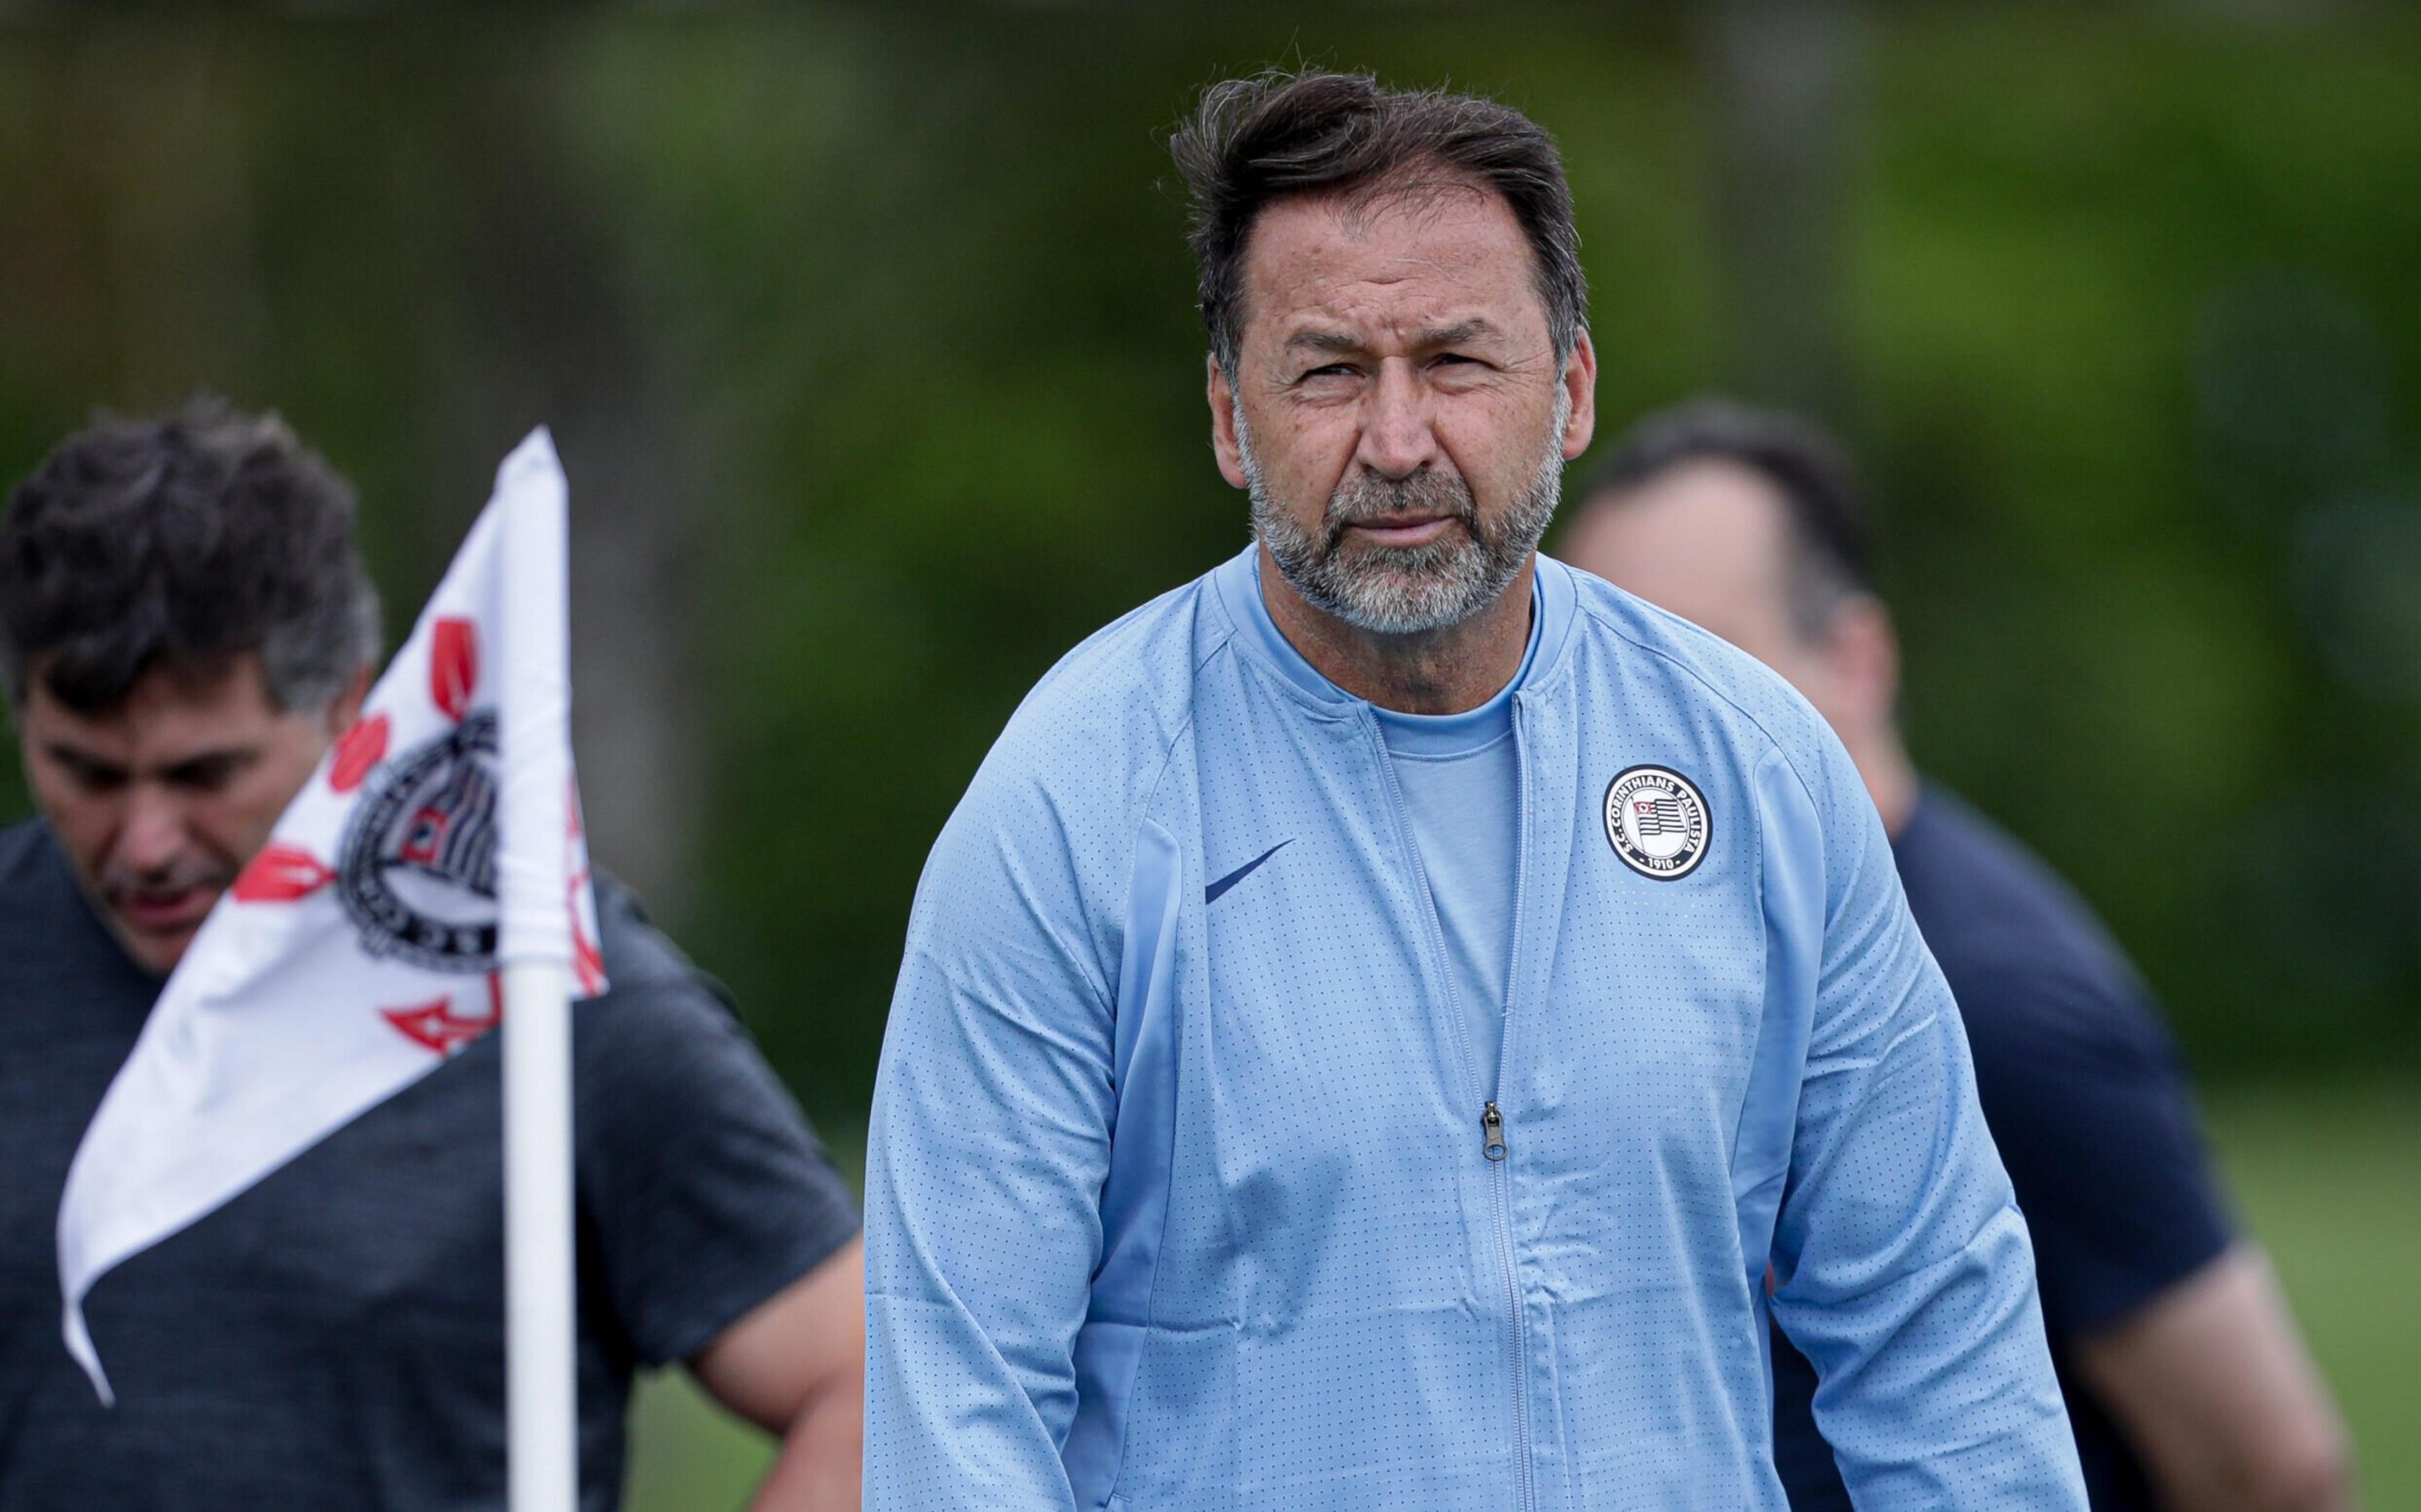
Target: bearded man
(1391, 1018)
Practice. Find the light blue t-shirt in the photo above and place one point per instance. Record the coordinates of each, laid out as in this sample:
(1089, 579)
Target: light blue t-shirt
(1460, 779)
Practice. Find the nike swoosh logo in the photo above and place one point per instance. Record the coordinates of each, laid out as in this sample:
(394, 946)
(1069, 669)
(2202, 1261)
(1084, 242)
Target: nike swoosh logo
(1210, 893)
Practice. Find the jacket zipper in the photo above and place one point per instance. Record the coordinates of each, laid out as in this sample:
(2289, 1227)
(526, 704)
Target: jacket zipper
(1493, 1121)
(1491, 1117)
(1501, 1200)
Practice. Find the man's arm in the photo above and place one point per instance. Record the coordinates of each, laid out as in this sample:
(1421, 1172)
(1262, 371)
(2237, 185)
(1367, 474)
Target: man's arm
(2210, 1382)
(987, 1150)
(723, 1237)
(1903, 1266)
(795, 1366)
(2176, 1326)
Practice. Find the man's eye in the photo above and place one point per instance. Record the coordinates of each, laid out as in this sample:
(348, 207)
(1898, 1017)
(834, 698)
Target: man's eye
(206, 775)
(1334, 369)
(96, 779)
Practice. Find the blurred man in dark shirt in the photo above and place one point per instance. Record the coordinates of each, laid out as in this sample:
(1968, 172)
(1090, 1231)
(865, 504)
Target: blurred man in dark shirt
(184, 626)
(2186, 1379)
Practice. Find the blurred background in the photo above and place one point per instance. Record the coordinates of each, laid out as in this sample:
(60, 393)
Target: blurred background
(867, 337)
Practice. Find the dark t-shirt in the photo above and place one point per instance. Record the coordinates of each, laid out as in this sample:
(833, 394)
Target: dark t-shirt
(333, 1337)
(2084, 1096)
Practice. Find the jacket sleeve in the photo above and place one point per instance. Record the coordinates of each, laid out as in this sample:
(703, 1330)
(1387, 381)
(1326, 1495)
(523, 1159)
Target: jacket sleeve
(1902, 1267)
(989, 1146)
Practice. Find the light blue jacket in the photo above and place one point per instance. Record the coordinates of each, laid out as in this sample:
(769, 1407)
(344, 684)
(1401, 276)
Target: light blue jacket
(1178, 1194)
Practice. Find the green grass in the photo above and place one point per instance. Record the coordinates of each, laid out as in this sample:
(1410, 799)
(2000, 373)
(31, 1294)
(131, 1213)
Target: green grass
(2328, 1175)
(2330, 1179)
(687, 1455)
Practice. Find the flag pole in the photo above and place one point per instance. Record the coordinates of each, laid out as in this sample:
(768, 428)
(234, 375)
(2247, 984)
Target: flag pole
(540, 1376)
(534, 950)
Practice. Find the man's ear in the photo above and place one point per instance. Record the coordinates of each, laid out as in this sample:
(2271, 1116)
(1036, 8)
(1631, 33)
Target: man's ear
(1580, 384)
(346, 707)
(1865, 650)
(1224, 443)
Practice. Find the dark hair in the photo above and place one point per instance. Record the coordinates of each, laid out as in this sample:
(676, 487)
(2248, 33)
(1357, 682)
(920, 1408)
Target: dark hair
(184, 540)
(1829, 554)
(1252, 141)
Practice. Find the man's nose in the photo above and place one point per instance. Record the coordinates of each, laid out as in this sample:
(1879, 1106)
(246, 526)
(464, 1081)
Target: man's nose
(152, 839)
(1398, 435)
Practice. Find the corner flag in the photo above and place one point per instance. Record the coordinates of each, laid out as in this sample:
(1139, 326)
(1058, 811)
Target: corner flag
(430, 880)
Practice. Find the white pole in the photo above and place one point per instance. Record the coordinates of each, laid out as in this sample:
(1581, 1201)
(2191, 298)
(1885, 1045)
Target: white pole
(541, 1382)
(534, 943)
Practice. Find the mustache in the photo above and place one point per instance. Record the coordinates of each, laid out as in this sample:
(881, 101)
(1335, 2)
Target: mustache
(119, 885)
(1367, 498)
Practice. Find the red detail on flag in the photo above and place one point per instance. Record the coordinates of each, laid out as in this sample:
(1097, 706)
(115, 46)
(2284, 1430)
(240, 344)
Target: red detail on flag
(281, 874)
(587, 962)
(436, 1026)
(453, 666)
(426, 835)
(358, 749)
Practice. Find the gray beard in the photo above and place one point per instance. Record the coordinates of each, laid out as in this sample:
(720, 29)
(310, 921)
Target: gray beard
(1407, 590)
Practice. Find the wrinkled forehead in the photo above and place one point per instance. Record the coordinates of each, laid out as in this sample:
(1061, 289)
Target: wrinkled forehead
(1405, 253)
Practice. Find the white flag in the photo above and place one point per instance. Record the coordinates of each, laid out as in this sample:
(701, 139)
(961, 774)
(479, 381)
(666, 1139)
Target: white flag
(439, 839)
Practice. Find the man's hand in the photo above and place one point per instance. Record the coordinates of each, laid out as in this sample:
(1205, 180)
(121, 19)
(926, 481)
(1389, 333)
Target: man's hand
(2211, 1385)
(796, 1367)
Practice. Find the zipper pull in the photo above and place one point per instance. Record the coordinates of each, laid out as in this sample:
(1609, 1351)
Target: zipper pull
(1493, 1122)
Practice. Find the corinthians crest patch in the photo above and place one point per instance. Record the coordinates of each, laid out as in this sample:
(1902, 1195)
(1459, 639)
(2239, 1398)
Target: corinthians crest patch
(386, 875)
(417, 874)
(1657, 821)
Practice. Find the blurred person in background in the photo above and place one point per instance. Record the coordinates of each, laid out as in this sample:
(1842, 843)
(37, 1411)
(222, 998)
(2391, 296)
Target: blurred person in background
(2187, 1381)
(184, 627)
(1379, 1007)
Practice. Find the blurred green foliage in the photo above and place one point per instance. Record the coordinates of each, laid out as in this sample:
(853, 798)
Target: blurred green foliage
(2130, 322)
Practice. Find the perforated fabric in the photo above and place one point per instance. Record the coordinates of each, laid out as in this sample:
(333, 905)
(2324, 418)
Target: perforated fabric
(1459, 781)
(1178, 1196)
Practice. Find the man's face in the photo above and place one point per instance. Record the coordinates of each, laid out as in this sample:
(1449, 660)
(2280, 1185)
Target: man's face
(1706, 540)
(160, 801)
(1397, 413)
